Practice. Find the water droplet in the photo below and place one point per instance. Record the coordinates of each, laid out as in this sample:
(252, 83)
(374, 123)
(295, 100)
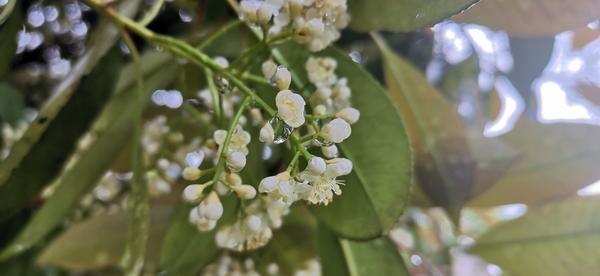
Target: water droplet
(3, 3)
(321, 142)
(282, 130)
(222, 84)
(185, 15)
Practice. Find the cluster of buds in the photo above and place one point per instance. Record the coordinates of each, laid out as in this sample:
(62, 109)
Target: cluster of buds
(318, 182)
(314, 23)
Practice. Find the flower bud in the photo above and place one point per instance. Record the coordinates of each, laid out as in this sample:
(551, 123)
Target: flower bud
(211, 207)
(338, 167)
(268, 69)
(264, 13)
(267, 134)
(249, 9)
(330, 152)
(236, 161)
(244, 191)
(349, 114)
(290, 108)
(253, 223)
(320, 110)
(221, 61)
(336, 131)
(193, 193)
(282, 78)
(205, 224)
(316, 165)
(194, 159)
(234, 179)
(256, 116)
(191, 174)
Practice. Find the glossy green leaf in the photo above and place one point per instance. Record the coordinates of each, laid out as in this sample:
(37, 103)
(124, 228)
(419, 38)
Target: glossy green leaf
(11, 104)
(74, 249)
(401, 15)
(38, 156)
(554, 162)
(345, 257)
(532, 17)
(186, 250)
(112, 129)
(378, 189)
(292, 245)
(557, 239)
(443, 162)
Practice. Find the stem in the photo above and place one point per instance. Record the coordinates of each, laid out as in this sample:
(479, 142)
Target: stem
(216, 35)
(184, 50)
(138, 203)
(294, 161)
(152, 12)
(221, 163)
(215, 96)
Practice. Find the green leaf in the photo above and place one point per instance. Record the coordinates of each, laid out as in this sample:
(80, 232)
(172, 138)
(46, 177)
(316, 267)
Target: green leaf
(8, 33)
(378, 189)
(530, 18)
(345, 257)
(45, 158)
(74, 250)
(554, 162)
(556, 239)
(186, 250)
(443, 162)
(401, 15)
(11, 104)
(292, 245)
(38, 156)
(112, 129)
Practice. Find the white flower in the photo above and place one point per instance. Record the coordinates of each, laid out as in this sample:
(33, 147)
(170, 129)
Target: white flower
(239, 139)
(211, 207)
(202, 223)
(248, 9)
(244, 191)
(193, 193)
(194, 159)
(316, 165)
(236, 161)
(268, 69)
(349, 114)
(267, 134)
(321, 71)
(290, 108)
(338, 167)
(282, 78)
(336, 131)
(281, 186)
(240, 237)
(264, 13)
(330, 151)
(253, 223)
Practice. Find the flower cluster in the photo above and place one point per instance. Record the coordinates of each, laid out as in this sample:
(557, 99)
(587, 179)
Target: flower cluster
(314, 23)
(319, 181)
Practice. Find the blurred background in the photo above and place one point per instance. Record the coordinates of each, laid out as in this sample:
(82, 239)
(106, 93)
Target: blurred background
(515, 104)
